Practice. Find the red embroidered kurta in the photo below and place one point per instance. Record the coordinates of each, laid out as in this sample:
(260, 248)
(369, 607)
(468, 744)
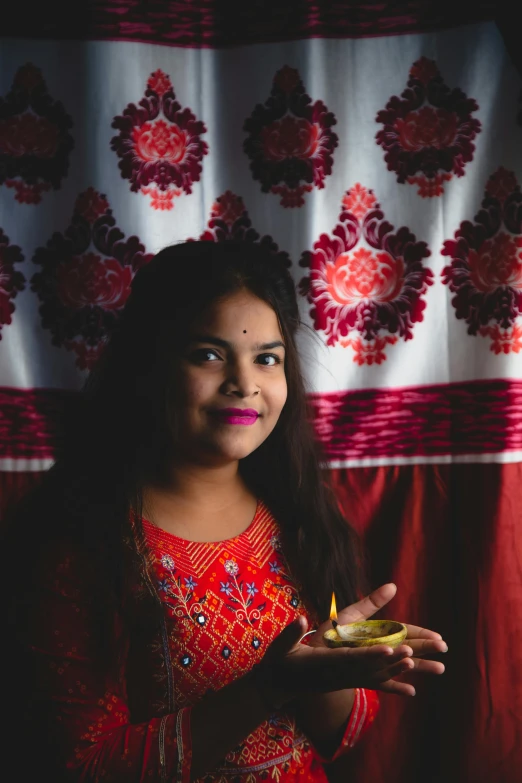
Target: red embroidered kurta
(223, 604)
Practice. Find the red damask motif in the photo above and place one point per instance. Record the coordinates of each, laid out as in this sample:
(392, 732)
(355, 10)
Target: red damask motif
(428, 132)
(159, 144)
(86, 277)
(35, 142)
(11, 280)
(501, 184)
(359, 201)
(369, 351)
(229, 220)
(290, 142)
(91, 278)
(504, 340)
(365, 280)
(91, 205)
(485, 272)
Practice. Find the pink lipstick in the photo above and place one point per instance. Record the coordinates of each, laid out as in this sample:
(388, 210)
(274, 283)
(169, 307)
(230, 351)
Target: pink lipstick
(245, 416)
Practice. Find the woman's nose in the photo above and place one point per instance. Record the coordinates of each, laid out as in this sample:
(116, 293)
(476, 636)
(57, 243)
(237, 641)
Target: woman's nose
(241, 381)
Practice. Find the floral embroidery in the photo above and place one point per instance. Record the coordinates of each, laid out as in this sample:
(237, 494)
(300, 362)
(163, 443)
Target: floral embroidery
(164, 585)
(281, 721)
(275, 542)
(283, 581)
(231, 567)
(182, 590)
(234, 591)
(282, 576)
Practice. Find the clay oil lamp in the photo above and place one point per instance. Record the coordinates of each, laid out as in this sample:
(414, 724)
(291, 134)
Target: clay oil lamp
(363, 633)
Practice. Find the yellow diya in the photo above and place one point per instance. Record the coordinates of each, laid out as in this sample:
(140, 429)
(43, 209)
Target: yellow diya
(364, 633)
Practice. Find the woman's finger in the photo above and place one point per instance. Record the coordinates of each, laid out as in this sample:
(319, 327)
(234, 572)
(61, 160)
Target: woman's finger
(403, 650)
(428, 667)
(378, 657)
(400, 667)
(368, 605)
(416, 632)
(422, 647)
(396, 687)
(408, 665)
(360, 653)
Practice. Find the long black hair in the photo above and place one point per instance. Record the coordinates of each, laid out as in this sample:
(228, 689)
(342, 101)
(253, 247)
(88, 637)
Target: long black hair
(121, 433)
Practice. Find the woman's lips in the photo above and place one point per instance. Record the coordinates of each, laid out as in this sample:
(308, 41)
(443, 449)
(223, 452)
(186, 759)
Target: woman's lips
(244, 416)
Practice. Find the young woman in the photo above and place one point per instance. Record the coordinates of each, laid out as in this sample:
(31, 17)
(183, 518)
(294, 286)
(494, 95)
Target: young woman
(185, 541)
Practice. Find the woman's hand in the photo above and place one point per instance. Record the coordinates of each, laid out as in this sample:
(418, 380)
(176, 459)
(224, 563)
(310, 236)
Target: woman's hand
(419, 643)
(290, 668)
(305, 669)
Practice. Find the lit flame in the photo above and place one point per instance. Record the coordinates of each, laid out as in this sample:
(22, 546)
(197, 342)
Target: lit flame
(333, 609)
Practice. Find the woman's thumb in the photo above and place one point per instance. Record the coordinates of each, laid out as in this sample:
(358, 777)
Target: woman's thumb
(288, 637)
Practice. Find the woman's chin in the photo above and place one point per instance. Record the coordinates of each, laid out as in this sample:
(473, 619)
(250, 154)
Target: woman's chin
(234, 455)
(218, 449)
(233, 451)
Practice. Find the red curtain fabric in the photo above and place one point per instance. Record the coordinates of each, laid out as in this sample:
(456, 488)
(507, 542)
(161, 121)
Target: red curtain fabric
(13, 486)
(450, 537)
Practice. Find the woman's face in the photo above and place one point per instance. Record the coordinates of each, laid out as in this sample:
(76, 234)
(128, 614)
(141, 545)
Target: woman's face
(231, 380)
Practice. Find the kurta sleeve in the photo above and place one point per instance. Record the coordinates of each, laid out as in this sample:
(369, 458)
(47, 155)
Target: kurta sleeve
(364, 710)
(87, 714)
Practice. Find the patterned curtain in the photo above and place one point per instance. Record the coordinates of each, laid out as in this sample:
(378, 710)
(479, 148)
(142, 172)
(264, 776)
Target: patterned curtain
(378, 149)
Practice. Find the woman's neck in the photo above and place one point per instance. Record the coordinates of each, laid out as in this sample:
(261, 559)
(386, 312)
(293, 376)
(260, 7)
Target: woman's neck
(200, 503)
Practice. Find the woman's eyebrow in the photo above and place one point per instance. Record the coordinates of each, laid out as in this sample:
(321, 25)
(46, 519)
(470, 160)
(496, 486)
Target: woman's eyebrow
(270, 346)
(206, 338)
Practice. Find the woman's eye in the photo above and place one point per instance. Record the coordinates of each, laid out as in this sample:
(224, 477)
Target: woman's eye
(205, 355)
(268, 359)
